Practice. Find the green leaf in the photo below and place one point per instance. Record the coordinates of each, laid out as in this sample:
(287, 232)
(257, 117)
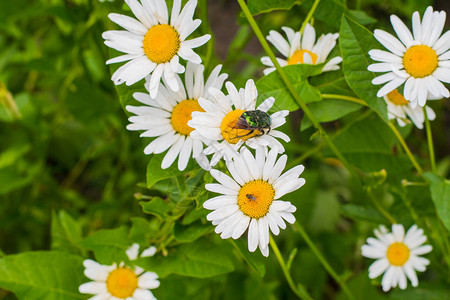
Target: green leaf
(361, 288)
(142, 230)
(358, 212)
(200, 259)
(332, 83)
(330, 12)
(355, 42)
(66, 233)
(271, 85)
(109, 245)
(42, 275)
(155, 173)
(326, 212)
(426, 290)
(440, 193)
(264, 6)
(254, 259)
(187, 234)
(157, 207)
(329, 110)
(368, 143)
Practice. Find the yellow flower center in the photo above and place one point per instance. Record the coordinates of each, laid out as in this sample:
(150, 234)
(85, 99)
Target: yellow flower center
(161, 43)
(182, 113)
(255, 198)
(122, 282)
(297, 57)
(396, 98)
(420, 61)
(397, 254)
(234, 135)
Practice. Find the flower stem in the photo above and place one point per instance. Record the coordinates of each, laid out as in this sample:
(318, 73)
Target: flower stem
(406, 148)
(309, 15)
(289, 85)
(380, 208)
(430, 141)
(299, 290)
(346, 98)
(323, 261)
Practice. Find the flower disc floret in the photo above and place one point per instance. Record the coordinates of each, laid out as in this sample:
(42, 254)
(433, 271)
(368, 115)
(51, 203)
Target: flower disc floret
(397, 254)
(122, 282)
(231, 134)
(420, 61)
(396, 98)
(119, 281)
(302, 48)
(182, 113)
(251, 198)
(400, 109)
(255, 198)
(153, 43)
(161, 43)
(298, 57)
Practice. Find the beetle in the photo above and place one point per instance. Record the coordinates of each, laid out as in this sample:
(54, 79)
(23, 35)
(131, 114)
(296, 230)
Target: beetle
(253, 120)
(251, 197)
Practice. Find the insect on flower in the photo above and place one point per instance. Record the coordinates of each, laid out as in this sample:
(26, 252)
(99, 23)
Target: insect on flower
(253, 120)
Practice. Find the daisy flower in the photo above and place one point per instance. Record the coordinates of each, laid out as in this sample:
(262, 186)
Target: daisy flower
(224, 125)
(153, 44)
(397, 255)
(400, 109)
(250, 198)
(166, 116)
(300, 49)
(420, 60)
(120, 281)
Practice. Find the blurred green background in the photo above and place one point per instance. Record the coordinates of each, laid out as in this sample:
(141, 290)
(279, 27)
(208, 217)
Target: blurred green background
(63, 142)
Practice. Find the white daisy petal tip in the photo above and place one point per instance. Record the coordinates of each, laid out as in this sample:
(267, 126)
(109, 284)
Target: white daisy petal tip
(229, 121)
(150, 41)
(118, 281)
(298, 49)
(416, 58)
(247, 200)
(396, 255)
(405, 112)
(166, 116)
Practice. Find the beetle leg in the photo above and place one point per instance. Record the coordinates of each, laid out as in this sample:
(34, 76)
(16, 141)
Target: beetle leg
(239, 136)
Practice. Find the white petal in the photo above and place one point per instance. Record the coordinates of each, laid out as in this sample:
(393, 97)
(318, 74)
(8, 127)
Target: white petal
(93, 287)
(128, 23)
(220, 189)
(141, 294)
(225, 180)
(148, 280)
(279, 42)
(173, 152)
(390, 86)
(402, 31)
(253, 235)
(389, 42)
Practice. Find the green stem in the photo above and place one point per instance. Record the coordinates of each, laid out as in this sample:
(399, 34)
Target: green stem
(289, 86)
(346, 98)
(430, 141)
(323, 261)
(309, 15)
(406, 148)
(380, 208)
(299, 290)
(322, 144)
